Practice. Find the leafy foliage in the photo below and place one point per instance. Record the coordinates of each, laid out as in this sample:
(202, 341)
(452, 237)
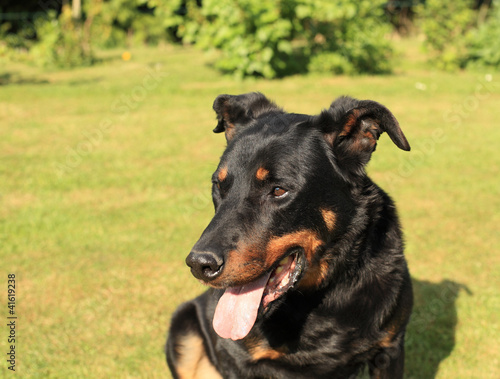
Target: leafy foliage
(346, 37)
(484, 43)
(454, 38)
(277, 38)
(445, 25)
(62, 42)
(174, 14)
(253, 37)
(57, 40)
(121, 22)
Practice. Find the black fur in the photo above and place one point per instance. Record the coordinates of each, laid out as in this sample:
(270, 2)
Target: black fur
(353, 298)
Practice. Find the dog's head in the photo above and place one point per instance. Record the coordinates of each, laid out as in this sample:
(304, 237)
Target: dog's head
(282, 195)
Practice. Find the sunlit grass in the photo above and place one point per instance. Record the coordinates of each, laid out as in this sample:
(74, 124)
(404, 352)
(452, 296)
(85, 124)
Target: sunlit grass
(104, 187)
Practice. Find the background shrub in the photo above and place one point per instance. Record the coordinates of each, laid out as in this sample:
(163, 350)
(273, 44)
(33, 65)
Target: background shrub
(346, 37)
(284, 37)
(484, 43)
(61, 41)
(446, 25)
(124, 22)
(254, 37)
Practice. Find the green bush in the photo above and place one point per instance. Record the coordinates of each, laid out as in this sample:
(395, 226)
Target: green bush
(446, 25)
(253, 37)
(484, 43)
(330, 62)
(121, 22)
(173, 15)
(346, 37)
(15, 46)
(278, 38)
(62, 42)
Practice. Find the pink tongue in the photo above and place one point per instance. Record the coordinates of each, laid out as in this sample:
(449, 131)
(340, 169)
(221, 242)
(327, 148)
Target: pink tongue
(237, 309)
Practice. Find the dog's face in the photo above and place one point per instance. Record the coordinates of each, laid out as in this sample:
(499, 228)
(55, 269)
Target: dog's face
(282, 195)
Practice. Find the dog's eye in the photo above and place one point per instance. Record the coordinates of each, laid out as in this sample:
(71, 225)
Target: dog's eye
(279, 192)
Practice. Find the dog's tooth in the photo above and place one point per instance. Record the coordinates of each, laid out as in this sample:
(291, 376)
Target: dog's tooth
(284, 261)
(278, 269)
(285, 281)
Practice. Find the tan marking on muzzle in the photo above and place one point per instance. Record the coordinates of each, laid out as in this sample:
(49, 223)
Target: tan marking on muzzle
(278, 246)
(249, 262)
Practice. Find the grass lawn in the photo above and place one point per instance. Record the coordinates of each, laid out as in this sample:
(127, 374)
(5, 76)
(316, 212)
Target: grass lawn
(104, 187)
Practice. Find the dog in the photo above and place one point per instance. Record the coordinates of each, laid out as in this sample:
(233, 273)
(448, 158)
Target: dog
(304, 255)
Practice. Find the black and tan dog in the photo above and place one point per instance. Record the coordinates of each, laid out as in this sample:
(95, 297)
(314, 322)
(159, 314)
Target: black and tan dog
(304, 254)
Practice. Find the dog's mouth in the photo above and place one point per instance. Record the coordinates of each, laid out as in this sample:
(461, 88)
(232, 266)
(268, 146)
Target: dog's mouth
(238, 307)
(282, 278)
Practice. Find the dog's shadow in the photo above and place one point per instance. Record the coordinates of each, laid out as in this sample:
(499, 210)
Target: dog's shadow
(430, 336)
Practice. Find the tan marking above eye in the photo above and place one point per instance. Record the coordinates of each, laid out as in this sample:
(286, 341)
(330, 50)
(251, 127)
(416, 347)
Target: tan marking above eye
(222, 174)
(329, 218)
(262, 173)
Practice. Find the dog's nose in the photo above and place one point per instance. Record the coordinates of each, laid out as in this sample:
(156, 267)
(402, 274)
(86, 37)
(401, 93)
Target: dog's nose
(205, 266)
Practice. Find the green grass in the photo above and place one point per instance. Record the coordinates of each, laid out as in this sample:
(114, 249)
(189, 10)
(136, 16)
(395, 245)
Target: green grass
(104, 188)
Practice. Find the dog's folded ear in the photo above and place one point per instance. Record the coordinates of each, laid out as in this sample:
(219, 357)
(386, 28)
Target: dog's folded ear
(234, 112)
(352, 127)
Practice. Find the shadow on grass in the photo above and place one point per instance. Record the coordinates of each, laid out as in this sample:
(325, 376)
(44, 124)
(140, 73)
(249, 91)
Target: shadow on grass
(15, 78)
(430, 336)
(7, 78)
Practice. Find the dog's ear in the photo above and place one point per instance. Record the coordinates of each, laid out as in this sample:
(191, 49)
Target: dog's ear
(352, 128)
(236, 111)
